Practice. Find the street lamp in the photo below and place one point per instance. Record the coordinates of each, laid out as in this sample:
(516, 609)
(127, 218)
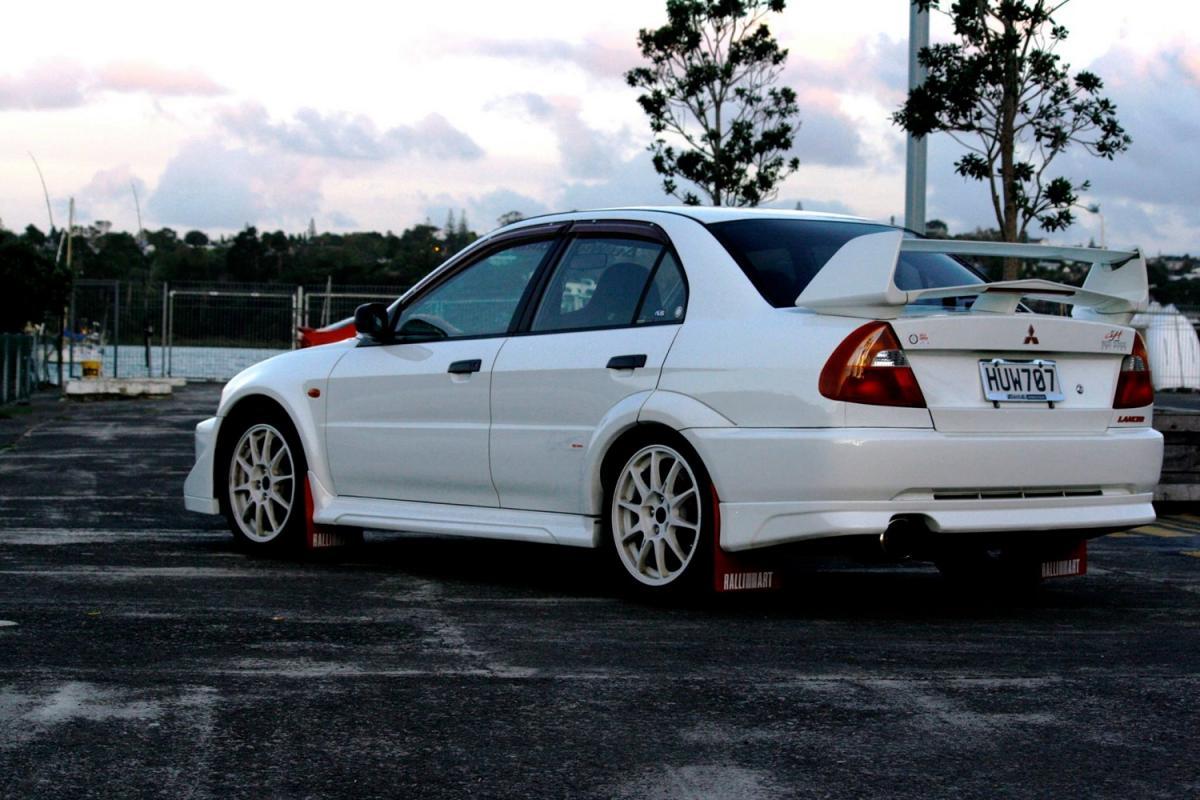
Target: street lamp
(1095, 209)
(914, 173)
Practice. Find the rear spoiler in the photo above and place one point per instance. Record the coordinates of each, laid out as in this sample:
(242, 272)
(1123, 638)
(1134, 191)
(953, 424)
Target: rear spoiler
(860, 279)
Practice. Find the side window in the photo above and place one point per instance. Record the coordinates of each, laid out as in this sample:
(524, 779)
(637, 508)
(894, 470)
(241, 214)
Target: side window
(597, 284)
(666, 299)
(479, 301)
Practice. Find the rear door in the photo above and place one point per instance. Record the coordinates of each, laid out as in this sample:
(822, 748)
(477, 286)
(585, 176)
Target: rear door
(600, 333)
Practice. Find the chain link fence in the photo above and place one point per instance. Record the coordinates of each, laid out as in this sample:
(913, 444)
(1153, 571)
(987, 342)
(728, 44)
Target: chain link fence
(208, 331)
(18, 367)
(325, 305)
(196, 331)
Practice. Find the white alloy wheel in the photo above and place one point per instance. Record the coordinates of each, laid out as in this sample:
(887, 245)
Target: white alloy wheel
(656, 515)
(262, 483)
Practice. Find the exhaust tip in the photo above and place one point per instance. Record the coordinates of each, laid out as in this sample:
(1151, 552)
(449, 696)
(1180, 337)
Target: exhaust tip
(901, 539)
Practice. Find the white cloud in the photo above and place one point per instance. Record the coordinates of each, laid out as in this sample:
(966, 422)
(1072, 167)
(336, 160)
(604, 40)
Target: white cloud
(209, 185)
(349, 137)
(48, 85)
(65, 83)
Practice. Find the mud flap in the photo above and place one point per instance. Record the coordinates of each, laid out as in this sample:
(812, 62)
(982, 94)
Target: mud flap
(320, 537)
(1065, 563)
(740, 572)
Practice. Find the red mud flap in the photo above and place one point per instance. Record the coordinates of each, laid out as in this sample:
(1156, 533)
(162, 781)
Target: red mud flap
(317, 537)
(739, 572)
(1069, 563)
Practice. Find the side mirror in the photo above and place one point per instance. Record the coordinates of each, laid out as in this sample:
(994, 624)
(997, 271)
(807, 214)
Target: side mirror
(418, 329)
(371, 320)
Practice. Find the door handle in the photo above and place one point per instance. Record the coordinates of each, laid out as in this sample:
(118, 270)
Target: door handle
(627, 362)
(465, 367)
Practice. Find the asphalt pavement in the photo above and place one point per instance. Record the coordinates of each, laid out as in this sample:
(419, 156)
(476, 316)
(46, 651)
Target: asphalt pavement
(142, 655)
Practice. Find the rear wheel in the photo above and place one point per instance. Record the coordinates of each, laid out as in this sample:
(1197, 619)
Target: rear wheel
(657, 518)
(263, 496)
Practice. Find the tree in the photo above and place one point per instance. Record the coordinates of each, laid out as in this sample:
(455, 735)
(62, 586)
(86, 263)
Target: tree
(195, 239)
(717, 118)
(509, 217)
(243, 259)
(34, 286)
(1002, 93)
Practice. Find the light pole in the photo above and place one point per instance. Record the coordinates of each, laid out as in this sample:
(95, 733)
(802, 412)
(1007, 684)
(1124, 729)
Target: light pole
(1095, 209)
(914, 175)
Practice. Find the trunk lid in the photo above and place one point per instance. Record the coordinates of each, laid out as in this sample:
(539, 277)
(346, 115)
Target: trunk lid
(945, 351)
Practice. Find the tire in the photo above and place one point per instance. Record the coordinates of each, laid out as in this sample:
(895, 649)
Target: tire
(261, 471)
(659, 520)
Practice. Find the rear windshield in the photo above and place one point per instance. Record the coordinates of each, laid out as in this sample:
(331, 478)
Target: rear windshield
(781, 256)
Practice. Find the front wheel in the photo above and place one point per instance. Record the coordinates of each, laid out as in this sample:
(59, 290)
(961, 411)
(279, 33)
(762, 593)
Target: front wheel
(656, 514)
(264, 496)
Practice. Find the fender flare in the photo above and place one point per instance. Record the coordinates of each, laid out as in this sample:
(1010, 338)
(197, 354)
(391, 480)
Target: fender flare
(671, 409)
(289, 390)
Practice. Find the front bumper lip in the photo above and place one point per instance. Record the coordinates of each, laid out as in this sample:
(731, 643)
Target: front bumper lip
(198, 494)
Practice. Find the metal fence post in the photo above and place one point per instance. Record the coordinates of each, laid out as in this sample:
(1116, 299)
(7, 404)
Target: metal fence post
(116, 329)
(19, 377)
(297, 305)
(26, 389)
(162, 332)
(70, 338)
(170, 328)
(4, 380)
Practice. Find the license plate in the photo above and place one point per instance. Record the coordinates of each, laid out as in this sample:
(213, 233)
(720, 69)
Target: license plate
(1020, 381)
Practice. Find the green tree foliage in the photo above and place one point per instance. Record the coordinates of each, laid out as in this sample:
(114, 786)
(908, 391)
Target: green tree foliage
(34, 288)
(195, 239)
(383, 259)
(1002, 92)
(244, 261)
(717, 118)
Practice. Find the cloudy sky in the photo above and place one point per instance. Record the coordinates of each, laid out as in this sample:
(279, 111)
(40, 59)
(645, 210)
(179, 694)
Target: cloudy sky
(377, 116)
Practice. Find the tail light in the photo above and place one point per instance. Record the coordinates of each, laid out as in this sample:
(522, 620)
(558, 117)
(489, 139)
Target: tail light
(870, 367)
(1134, 387)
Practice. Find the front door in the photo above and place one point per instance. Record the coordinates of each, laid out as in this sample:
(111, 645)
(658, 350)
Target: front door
(409, 420)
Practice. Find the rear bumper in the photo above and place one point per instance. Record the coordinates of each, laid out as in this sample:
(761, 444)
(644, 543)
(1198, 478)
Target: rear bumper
(786, 485)
(198, 492)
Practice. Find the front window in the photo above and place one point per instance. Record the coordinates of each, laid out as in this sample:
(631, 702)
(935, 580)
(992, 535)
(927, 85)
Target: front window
(781, 256)
(479, 301)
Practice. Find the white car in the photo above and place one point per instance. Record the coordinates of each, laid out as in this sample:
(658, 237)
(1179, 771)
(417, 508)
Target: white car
(689, 387)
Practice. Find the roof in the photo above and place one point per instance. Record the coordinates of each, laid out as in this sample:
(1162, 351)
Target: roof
(707, 214)
(702, 214)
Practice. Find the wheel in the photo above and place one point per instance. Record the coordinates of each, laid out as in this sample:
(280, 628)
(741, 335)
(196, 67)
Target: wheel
(657, 515)
(263, 498)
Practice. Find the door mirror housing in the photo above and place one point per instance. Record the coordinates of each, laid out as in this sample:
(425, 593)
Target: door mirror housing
(371, 320)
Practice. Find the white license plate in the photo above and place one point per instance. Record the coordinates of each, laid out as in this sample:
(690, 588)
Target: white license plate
(1020, 381)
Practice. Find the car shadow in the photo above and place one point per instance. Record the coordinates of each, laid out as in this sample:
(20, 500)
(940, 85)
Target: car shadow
(813, 587)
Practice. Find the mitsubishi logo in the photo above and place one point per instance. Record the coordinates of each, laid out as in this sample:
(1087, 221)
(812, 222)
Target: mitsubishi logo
(1032, 337)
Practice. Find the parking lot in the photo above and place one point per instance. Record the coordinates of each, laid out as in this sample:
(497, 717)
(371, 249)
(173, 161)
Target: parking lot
(142, 655)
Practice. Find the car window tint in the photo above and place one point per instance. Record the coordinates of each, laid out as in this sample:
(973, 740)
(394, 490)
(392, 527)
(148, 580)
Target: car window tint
(781, 256)
(597, 284)
(666, 299)
(479, 301)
